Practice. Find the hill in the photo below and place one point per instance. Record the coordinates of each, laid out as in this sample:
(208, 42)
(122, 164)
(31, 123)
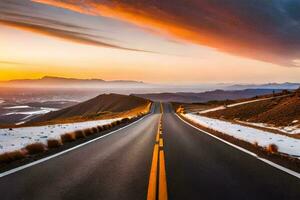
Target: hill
(216, 95)
(281, 112)
(100, 106)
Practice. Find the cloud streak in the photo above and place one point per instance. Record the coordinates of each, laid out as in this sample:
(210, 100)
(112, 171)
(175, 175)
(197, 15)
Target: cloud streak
(4, 62)
(55, 28)
(262, 30)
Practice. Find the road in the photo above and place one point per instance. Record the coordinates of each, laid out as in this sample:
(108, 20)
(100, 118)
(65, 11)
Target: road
(118, 166)
(200, 167)
(114, 167)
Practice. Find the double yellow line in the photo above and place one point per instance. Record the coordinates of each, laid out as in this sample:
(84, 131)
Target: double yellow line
(157, 179)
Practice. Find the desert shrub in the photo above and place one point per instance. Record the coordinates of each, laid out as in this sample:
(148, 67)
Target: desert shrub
(100, 128)
(115, 123)
(88, 131)
(95, 130)
(54, 143)
(68, 137)
(125, 120)
(107, 126)
(255, 143)
(272, 148)
(35, 148)
(11, 156)
(79, 134)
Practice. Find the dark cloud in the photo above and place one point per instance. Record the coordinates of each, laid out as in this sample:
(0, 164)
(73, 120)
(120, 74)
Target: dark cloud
(10, 15)
(267, 30)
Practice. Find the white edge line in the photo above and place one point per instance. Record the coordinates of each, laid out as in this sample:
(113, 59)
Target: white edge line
(6, 173)
(291, 172)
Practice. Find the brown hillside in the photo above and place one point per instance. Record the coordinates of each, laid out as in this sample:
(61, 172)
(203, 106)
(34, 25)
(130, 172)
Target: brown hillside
(96, 107)
(279, 111)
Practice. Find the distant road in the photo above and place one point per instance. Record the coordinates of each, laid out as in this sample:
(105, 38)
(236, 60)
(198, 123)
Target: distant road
(118, 167)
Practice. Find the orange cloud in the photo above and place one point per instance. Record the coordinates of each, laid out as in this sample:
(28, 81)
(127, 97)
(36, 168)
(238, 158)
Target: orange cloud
(228, 27)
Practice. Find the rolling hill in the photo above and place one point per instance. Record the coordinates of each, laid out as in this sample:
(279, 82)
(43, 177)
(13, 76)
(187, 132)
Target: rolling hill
(216, 95)
(284, 111)
(100, 106)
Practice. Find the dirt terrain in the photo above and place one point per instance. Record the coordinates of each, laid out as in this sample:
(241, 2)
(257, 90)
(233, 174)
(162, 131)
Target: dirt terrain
(283, 111)
(106, 105)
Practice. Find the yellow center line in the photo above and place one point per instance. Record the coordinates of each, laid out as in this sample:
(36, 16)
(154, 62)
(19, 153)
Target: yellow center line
(153, 175)
(161, 143)
(162, 188)
(161, 108)
(158, 181)
(157, 137)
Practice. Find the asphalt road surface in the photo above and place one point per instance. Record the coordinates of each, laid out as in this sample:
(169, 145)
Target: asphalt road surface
(199, 166)
(114, 167)
(118, 167)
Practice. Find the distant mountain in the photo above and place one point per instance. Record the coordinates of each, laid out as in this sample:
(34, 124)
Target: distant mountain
(105, 103)
(60, 82)
(207, 96)
(287, 85)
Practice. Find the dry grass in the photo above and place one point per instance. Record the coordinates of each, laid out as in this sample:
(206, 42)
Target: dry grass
(79, 134)
(255, 144)
(53, 143)
(88, 131)
(107, 126)
(125, 120)
(100, 128)
(12, 156)
(115, 123)
(94, 130)
(36, 148)
(68, 137)
(272, 148)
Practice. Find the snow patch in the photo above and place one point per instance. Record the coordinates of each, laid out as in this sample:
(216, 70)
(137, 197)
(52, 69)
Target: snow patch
(286, 145)
(18, 138)
(286, 129)
(233, 105)
(17, 107)
(37, 112)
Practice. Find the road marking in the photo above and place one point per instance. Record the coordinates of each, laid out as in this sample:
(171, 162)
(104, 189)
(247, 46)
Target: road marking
(161, 108)
(157, 179)
(65, 151)
(157, 137)
(284, 169)
(162, 192)
(161, 143)
(153, 175)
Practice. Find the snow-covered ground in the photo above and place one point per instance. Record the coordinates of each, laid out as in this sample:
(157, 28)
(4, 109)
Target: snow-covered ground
(293, 129)
(18, 138)
(236, 104)
(37, 112)
(285, 144)
(17, 107)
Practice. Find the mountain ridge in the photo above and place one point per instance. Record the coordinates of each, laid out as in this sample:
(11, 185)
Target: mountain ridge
(53, 81)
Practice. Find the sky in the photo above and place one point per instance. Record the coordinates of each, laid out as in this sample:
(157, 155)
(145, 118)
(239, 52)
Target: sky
(170, 41)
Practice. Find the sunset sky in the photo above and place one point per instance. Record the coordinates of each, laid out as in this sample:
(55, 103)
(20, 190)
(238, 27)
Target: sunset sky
(169, 41)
